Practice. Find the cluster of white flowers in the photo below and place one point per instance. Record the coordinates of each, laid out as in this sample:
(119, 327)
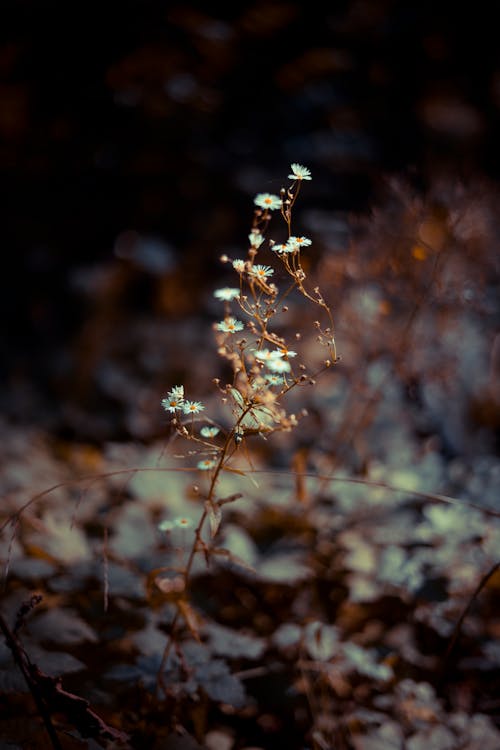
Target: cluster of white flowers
(292, 245)
(275, 362)
(174, 402)
(271, 202)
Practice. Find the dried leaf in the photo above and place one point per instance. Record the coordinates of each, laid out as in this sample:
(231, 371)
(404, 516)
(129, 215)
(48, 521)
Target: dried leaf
(321, 641)
(191, 618)
(214, 517)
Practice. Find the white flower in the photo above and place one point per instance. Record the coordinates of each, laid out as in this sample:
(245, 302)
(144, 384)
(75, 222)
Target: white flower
(171, 404)
(283, 247)
(208, 431)
(267, 200)
(174, 399)
(287, 352)
(239, 265)
(278, 365)
(264, 355)
(206, 464)
(183, 522)
(256, 239)
(274, 379)
(297, 242)
(261, 272)
(192, 407)
(227, 294)
(230, 325)
(177, 391)
(299, 172)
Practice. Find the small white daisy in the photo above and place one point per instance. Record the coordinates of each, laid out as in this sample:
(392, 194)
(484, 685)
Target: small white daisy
(173, 402)
(183, 522)
(230, 325)
(264, 355)
(267, 200)
(206, 464)
(192, 407)
(261, 272)
(239, 265)
(208, 431)
(227, 294)
(255, 239)
(287, 352)
(297, 242)
(278, 365)
(177, 391)
(274, 379)
(282, 247)
(299, 172)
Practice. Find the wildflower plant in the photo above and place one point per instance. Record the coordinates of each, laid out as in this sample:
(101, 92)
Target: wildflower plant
(265, 366)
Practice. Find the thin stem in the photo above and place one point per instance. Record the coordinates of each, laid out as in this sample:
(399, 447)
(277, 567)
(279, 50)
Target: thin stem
(458, 627)
(192, 553)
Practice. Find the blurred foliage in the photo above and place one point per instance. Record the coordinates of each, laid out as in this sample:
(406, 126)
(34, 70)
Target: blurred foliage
(132, 143)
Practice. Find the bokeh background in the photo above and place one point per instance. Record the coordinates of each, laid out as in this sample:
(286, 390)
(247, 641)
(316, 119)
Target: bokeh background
(135, 134)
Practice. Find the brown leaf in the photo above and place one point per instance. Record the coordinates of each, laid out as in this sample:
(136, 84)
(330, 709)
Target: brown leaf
(191, 619)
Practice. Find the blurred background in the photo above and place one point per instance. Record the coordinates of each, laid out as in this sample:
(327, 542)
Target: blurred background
(134, 136)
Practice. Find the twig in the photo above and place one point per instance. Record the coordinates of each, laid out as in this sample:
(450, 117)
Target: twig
(48, 693)
(457, 629)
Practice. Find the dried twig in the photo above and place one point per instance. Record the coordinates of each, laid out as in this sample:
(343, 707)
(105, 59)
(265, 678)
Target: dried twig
(48, 693)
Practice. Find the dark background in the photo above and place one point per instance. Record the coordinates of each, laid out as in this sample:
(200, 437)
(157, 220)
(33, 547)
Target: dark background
(135, 134)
